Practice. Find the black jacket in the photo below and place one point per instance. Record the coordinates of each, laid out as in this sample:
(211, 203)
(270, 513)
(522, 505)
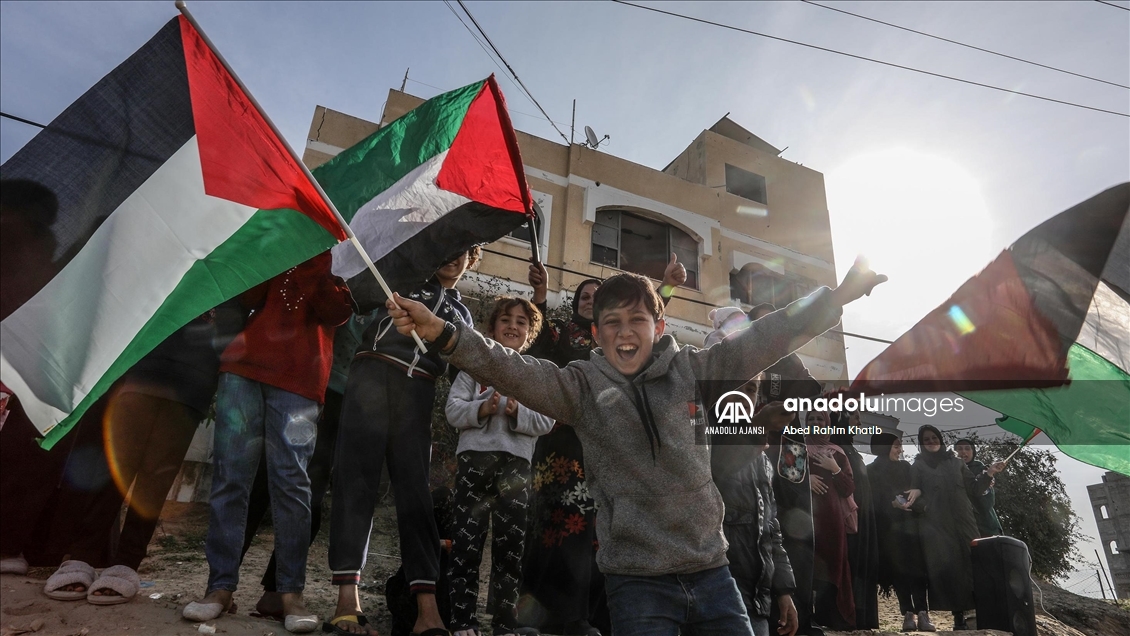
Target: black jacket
(383, 341)
(758, 561)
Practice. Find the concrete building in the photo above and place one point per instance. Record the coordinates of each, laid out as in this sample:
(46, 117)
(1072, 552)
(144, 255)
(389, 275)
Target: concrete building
(749, 226)
(1111, 503)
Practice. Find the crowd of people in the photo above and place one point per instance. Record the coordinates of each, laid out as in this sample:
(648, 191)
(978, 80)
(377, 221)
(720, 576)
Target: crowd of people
(607, 513)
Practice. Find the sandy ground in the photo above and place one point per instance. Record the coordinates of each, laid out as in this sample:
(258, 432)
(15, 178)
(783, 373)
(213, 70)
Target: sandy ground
(176, 572)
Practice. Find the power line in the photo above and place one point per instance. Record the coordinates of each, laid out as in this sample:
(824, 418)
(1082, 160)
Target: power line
(510, 68)
(22, 120)
(869, 59)
(513, 110)
(968, 46)
(1111, 4)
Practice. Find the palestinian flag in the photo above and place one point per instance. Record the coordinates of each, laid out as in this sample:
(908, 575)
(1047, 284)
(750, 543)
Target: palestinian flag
(173, 196)
(1042, 335)
(444, 177)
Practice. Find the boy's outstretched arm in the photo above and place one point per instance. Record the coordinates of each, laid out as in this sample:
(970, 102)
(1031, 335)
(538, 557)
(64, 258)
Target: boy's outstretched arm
(537, 384)
(784, 331)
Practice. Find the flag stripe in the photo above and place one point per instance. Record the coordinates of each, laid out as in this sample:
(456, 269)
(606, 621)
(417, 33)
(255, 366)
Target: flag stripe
(99, 150)
(396, 215)
(457, 231)
(241, 157)
(484, 163)
(270, 242)
(1107, 328)
(80, 322)
(353, 178)
(1089, 414)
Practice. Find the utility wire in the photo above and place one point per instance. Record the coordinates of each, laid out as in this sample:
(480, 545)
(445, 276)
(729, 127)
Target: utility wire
(1116, 6)
(869, 59)
(968, 46)
(513, 110)
(22, 120)
(511, 69)
(482, 45)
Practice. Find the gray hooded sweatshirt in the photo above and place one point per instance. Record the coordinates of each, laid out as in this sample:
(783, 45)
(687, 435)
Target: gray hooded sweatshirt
(659, 511)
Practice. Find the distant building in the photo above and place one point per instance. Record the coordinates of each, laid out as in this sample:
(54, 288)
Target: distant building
(1111, 503)
(749, 226)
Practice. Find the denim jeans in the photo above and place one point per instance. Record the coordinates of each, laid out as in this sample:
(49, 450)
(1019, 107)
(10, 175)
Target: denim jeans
(252, 417)
(707, 603)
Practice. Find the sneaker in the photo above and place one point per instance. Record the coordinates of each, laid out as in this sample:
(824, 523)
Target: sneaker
(909, 623)
(924, 624)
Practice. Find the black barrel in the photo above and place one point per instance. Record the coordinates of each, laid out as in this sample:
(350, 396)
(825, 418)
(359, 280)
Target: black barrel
(1002, 585)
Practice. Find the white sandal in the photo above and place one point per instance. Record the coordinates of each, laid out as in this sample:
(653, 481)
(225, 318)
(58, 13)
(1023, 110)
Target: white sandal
(69, 573)
(119, 578)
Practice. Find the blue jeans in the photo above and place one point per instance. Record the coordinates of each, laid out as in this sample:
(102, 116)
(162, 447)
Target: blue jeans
(249, 413)
(706, 602)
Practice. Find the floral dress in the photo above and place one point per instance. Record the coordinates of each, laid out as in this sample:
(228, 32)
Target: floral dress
(561, 583)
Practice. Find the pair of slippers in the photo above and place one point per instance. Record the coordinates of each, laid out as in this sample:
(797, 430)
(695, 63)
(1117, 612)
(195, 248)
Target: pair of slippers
(121, 579)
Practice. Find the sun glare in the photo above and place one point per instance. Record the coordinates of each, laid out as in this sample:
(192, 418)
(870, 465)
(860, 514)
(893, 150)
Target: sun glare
(918, 218)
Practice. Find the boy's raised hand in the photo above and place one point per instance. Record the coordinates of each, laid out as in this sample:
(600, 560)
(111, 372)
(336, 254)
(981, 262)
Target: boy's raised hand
(858, 282)
(675, 274)
(409, 314)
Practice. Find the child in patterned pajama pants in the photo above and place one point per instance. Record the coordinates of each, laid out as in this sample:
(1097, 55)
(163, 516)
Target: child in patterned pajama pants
(493, 482)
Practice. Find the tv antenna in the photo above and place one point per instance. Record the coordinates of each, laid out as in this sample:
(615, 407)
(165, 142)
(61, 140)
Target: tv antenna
(592, 140)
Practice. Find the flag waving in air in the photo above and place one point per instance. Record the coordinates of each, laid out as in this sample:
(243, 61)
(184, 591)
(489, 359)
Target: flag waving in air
(442, 178)
(1041, 335)
(174, 195)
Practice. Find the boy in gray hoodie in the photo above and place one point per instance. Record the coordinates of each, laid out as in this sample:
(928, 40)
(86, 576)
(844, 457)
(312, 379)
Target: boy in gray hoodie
(633, 405)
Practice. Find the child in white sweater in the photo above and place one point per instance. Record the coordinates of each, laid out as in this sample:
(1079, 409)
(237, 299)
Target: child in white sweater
(496, 441)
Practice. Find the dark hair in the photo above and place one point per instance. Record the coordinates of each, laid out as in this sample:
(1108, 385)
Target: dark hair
(759, 308)
(626, 290)
(31, 199)
(966, 440)
(503, 304)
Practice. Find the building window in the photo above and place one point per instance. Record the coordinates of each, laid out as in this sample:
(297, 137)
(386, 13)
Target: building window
(522, 232)
(746, 184)
(1103, 514)
(755, 284)
(636, 244)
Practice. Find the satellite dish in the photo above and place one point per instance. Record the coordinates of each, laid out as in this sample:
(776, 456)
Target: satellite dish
(594, 141)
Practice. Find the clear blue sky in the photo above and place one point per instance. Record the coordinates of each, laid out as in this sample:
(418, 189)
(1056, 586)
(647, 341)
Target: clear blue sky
(929, 177)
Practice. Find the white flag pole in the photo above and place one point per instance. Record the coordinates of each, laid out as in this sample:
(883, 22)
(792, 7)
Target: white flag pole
(182, 6)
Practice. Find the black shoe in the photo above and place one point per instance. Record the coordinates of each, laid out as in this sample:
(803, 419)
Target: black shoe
(959, 624)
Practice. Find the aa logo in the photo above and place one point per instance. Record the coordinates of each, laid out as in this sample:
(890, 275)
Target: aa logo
(734, 407)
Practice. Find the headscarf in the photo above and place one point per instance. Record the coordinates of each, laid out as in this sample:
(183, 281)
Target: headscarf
(881, 444)
(578, 319)
(933, 459)
(727, 321)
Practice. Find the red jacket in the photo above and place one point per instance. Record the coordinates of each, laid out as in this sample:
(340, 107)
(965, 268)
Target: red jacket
(288, 341)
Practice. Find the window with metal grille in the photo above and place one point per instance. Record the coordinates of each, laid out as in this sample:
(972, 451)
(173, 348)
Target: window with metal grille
(634, 243)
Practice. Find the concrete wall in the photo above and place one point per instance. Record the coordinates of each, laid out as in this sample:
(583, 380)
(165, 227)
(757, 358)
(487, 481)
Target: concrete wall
(1113, 497)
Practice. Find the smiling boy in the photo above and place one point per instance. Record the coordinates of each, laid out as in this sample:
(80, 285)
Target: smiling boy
(660, 519)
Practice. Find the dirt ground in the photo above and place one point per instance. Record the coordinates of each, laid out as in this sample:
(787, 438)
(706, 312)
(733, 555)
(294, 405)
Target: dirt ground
(176, 572)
